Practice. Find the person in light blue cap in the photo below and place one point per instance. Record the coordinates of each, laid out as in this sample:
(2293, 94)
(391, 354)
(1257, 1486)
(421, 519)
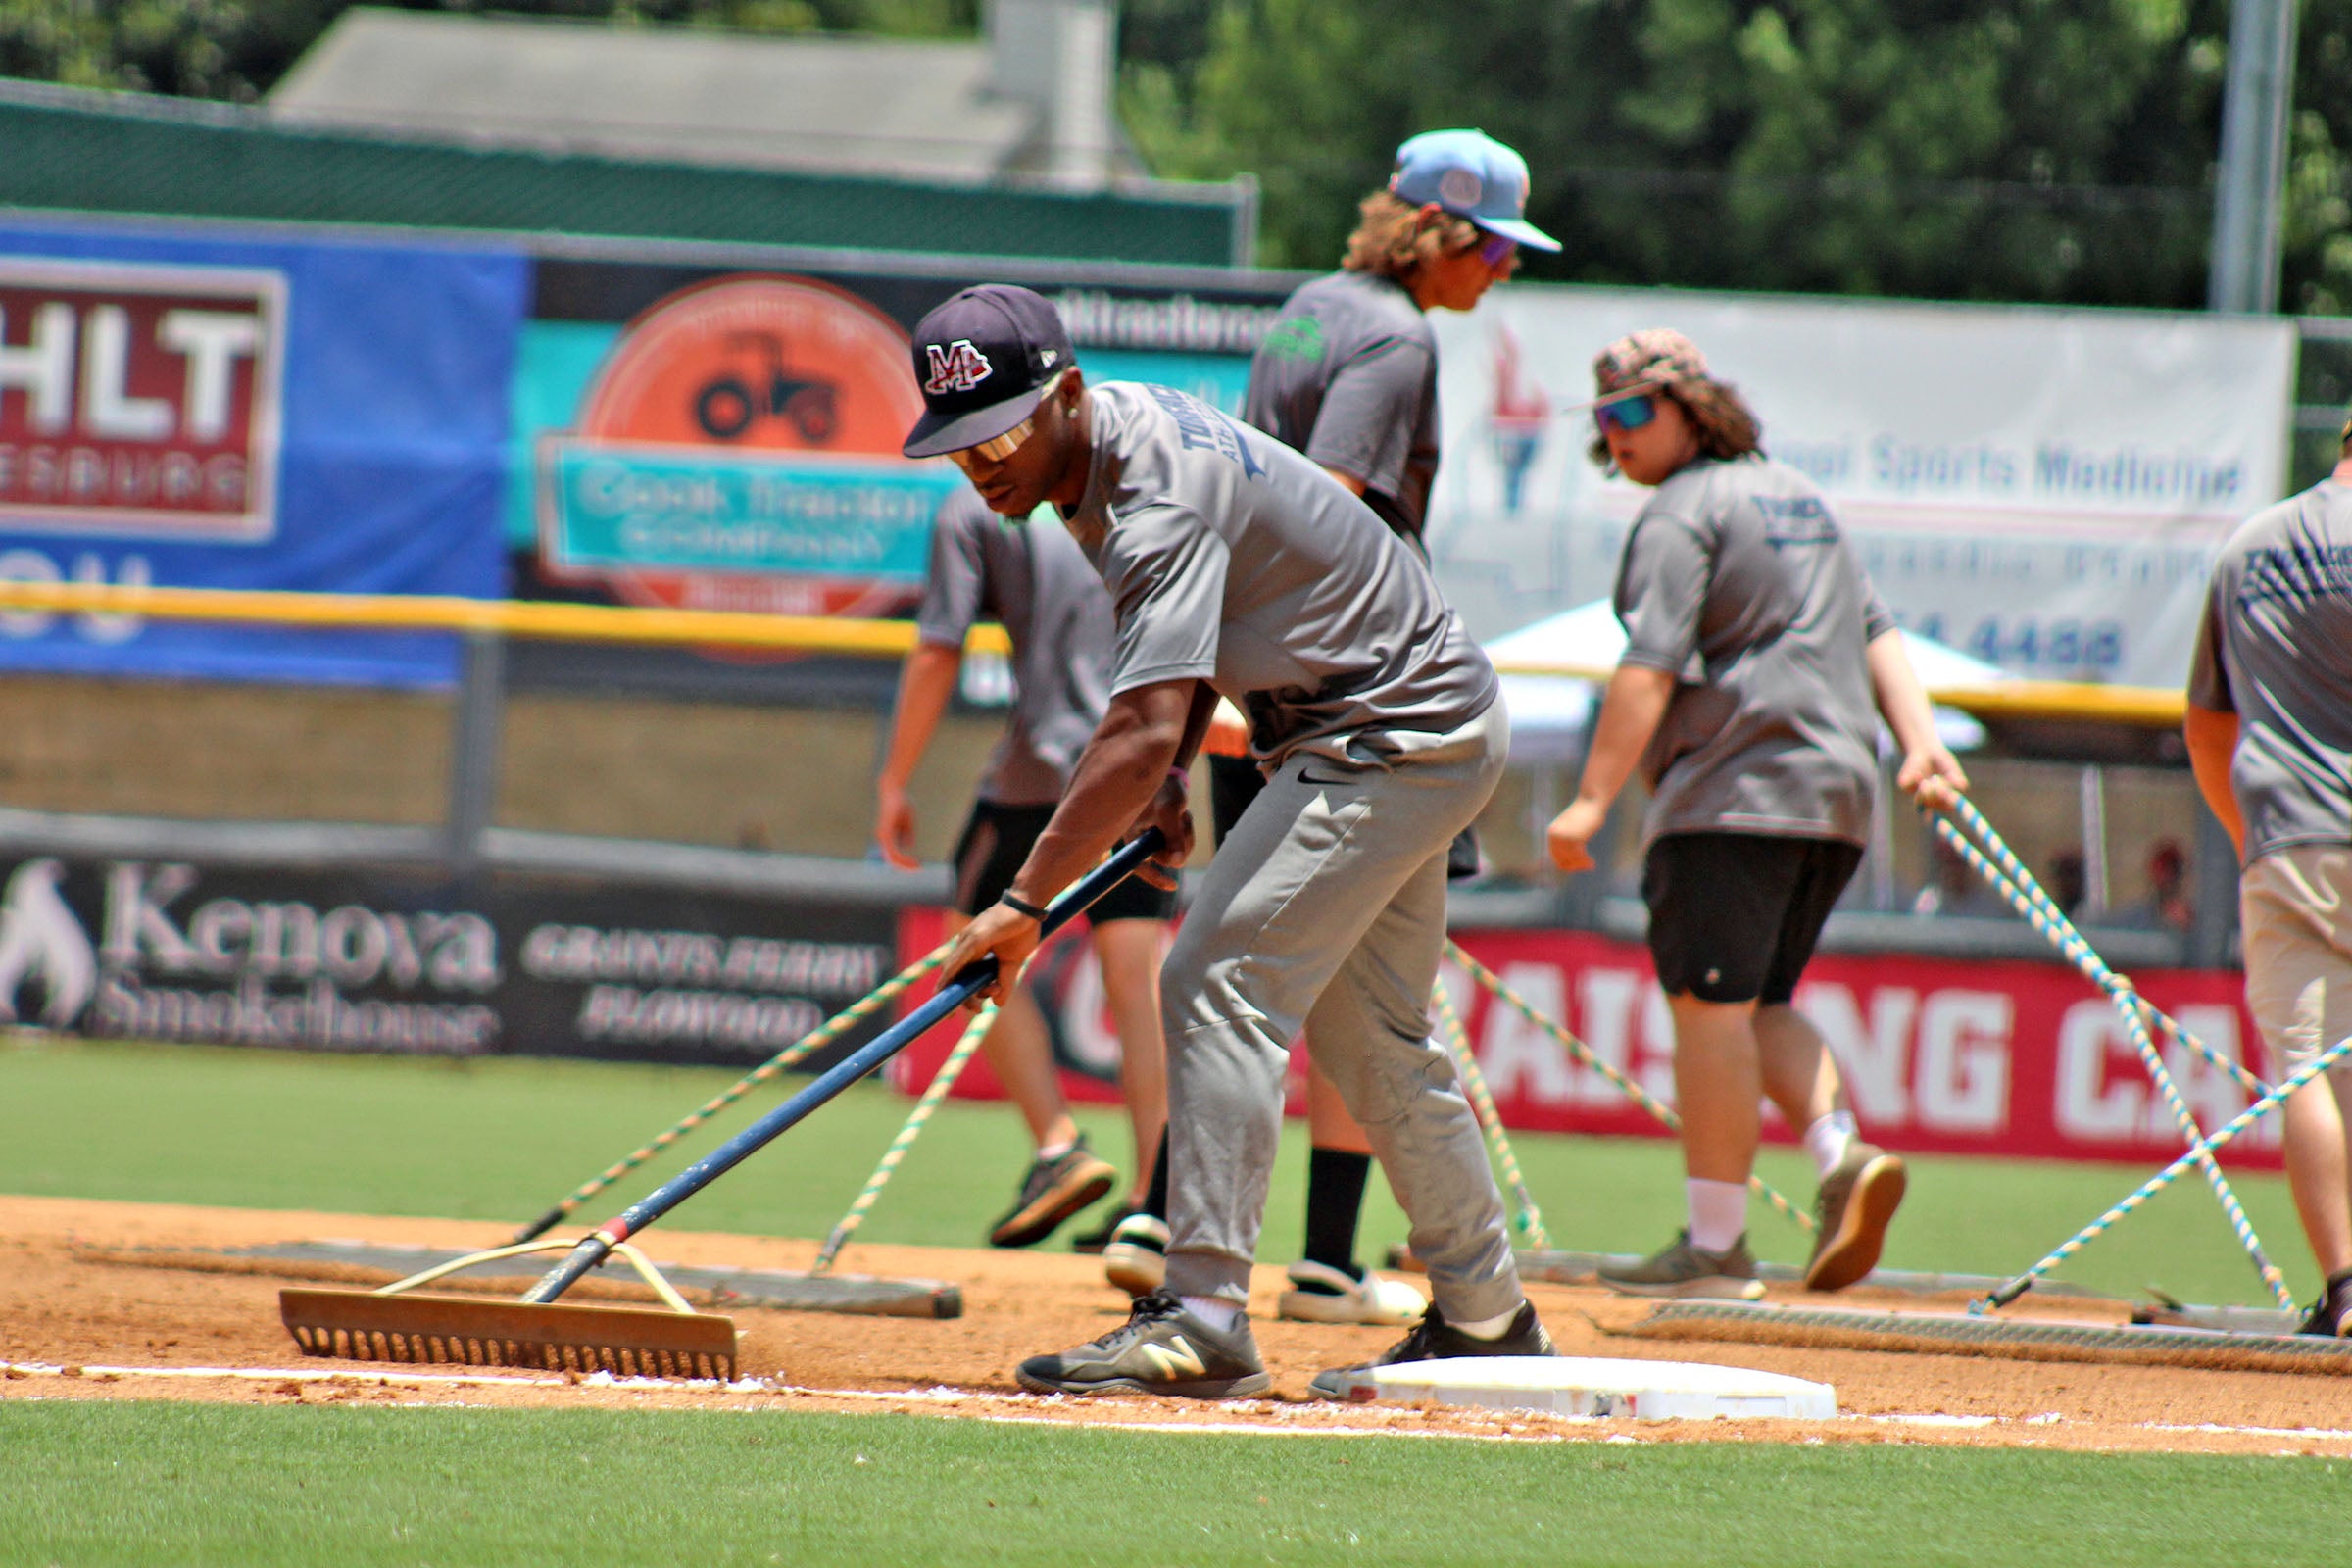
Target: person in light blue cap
(1349, 375)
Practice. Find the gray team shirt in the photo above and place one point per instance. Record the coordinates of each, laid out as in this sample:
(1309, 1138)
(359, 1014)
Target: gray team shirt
(1032, 579)
(1349, 375)
(1735, 580)
(2275, 649)
(1232, 558)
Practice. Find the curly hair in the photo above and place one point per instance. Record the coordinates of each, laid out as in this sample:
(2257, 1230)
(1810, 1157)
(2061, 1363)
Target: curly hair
(1726, 427)
(1393, 238)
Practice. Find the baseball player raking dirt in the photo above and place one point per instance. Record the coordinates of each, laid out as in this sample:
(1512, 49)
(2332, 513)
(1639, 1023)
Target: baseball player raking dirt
(1237, 566)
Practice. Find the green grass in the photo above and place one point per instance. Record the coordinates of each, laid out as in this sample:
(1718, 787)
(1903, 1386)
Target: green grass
(191, 1485)
(502, 1138)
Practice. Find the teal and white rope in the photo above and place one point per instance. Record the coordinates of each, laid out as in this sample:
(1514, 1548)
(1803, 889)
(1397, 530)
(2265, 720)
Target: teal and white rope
(2166, 1177)
(2013, 880)
(1582, 1053)
(1482, 1100)
(941, 1082)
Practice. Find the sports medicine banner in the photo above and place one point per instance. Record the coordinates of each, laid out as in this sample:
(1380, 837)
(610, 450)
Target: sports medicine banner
(1950, 1056)
(2040, 488)
(243, 409)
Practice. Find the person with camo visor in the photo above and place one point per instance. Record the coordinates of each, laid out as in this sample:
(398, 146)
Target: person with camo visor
(1349, 375)
(1236, 566)
(1754, 653)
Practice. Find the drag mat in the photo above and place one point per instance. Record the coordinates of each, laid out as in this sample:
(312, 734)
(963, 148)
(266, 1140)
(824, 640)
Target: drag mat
(79, 1323)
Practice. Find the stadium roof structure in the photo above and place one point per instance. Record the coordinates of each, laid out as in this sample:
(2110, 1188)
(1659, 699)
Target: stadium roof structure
(982, 110)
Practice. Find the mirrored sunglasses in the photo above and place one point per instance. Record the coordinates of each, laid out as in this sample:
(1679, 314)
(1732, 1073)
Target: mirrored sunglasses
(997, 449)
(1628, 413)
(1498, 249)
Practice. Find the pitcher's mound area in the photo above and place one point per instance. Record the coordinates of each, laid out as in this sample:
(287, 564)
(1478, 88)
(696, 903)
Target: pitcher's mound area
(144, 1301)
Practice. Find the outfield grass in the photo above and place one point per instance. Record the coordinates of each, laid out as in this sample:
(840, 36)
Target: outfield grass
(187, 1485)
(503, 1138)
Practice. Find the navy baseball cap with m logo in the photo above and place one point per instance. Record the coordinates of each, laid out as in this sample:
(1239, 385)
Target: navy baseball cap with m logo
(982, 356)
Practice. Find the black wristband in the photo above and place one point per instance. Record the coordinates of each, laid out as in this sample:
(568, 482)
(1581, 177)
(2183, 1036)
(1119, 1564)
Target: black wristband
(1021, 905)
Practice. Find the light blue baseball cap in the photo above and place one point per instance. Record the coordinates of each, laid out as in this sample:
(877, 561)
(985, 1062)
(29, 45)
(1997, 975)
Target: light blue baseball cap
(1472, 176)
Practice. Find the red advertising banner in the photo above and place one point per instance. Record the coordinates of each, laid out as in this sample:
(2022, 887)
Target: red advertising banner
(1943, 1056)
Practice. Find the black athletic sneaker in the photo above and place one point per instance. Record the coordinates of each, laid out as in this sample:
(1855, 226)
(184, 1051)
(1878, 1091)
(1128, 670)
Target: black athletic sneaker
(1093, 1241)
(1434, 1338)
(1162, 1349)
(1052, 1190)
(2332, 1314)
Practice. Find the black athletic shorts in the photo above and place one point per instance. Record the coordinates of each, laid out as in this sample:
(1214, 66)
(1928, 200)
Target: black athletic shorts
(1733, 916)
(999, 838)
(1234, 782)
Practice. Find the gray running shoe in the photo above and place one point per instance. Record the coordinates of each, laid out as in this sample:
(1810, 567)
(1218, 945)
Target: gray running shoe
(1162, 1349)
(1851, 1211)
(1052, 1191)
(1433, 1339)
(1683, 1270)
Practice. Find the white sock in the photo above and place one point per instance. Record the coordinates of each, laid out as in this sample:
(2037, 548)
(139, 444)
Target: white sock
(1828, 1139)
(1214, 1311)
(1484, 1328)
(1054, 1152)
(1718, 1214)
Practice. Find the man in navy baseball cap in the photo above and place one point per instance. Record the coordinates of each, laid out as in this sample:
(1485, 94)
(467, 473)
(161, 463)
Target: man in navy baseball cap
(1470, 174)
(984, 359)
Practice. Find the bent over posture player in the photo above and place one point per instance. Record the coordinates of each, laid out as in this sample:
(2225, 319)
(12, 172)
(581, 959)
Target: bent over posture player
(1754, 649)
(1235, 565)
(2270, 739)
(1032, 580)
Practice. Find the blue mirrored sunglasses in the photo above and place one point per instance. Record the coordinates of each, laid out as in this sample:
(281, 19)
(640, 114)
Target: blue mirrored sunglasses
(1498, 249)
(1628, 414)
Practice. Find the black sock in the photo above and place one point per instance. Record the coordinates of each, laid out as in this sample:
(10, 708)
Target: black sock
(1335, 1198)
(1156, 1197)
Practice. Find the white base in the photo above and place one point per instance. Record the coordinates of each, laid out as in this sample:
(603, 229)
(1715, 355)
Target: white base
(1647, 1391)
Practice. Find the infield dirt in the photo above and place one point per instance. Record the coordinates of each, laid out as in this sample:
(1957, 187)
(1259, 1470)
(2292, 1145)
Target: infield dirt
(91, 1307)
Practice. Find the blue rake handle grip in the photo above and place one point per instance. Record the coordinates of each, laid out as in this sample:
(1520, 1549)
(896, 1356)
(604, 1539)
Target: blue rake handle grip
(960, 989)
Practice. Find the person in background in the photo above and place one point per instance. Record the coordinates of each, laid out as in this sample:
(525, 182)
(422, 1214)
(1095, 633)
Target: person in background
(2269, 726)
(1349, 375)
(2167, 907)
(1029, 576)
(1755, 654)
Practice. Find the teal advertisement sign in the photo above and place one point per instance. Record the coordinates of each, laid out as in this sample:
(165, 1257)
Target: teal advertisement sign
(607, 505)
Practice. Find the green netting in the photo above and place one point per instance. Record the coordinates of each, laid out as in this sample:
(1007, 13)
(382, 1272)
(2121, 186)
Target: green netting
(123, 155)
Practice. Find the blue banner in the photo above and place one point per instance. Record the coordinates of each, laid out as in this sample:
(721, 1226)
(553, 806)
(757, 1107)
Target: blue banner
(239, 412)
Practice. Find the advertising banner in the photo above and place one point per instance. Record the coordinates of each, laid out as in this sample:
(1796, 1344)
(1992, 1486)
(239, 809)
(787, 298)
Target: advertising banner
(1949, 1056)
(2040, 488)
(250, 411)
(408, 962)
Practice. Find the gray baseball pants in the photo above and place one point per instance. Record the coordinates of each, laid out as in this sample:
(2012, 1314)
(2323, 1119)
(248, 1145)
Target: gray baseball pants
(1326, 909)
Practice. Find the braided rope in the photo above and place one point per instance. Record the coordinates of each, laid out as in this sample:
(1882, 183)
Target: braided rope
(2012, 879)
(823, 1035)
(1482, 1100)
(941, 1082)
(2166, 1177)
(2031, 900)
(1633, 1091)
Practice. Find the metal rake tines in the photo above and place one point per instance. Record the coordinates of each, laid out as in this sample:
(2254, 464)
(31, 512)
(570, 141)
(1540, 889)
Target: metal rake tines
(426, 1347)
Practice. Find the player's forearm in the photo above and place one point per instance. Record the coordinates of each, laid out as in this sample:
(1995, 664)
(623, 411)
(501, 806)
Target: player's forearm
(1903, 700)
(925, 683)
(1118, 775)
(2212, 739)
(1196, 723)
(1632, 707)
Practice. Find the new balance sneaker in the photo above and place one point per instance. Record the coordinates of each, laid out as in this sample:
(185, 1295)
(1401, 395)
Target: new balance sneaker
(1433, 1339)
(1321, 1294)
(1052, 1190)
(1093, 1242)
(1851, 1211)
(2331, 1313)
(1683, 1270)
(1162, 1349)
(1137, 1258)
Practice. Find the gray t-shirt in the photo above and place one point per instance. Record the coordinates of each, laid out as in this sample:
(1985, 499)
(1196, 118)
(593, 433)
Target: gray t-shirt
(1030, 578)
(1349, 375)
(1736, 581)
(1232, 558)
(2275, 649)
